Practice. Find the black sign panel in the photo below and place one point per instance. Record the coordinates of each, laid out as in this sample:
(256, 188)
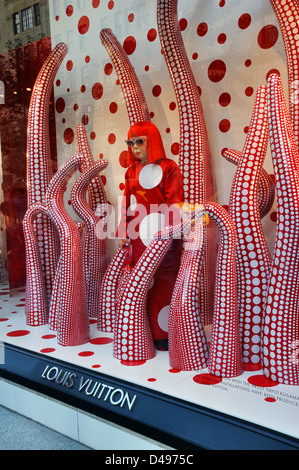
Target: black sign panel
(177, 423)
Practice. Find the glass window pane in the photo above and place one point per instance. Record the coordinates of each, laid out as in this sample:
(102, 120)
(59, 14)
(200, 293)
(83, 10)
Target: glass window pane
(37, 14)
(27, 20)
(16, 23)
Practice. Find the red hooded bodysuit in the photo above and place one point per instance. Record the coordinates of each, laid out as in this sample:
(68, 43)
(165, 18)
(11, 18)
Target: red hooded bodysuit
(150, 191)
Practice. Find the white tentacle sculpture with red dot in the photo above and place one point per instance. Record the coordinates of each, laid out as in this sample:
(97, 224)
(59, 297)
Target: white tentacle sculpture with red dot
(39, 170)
(253, 255)
(266, 187)
(36, 304)
(287, 13)
(194, 157)
(132, 91)
(281, 318)
(68, 307)
(187, 341)
(92, 238)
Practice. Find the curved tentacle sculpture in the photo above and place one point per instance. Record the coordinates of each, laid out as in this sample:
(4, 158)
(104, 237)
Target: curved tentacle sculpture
(253, 256)
(195, 154)
(194, 157)
(98, 202)
(225, 352)
(281, 318)
(108, 292)
(96, 191)
(70, 293)
(131, 88)
(92, 240)
(225, 357)
(132, 334)
(287, 14)
(266, 188)
(36, 304)
(38, 156)
(123, 281)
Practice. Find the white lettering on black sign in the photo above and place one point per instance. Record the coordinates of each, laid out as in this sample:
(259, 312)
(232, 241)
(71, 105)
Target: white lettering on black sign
(90, 387)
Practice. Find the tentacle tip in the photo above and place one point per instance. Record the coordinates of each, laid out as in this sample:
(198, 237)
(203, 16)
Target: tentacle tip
(105, 31)
(273, 78)
(63, 46)
(164, 234)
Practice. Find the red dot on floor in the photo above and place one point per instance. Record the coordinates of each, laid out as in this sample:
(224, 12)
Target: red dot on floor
(18, 333)
(3, 319)
(96, 366)
(207, 379)
(47, 350)
(86, 353)
(101, 340)
(262, 381)
(48, 336)
(270, 399)
(174, 371)
(151, 379)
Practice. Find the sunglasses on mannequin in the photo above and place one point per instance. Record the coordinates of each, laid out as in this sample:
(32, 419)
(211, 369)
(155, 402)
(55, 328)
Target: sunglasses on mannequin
(131, 143)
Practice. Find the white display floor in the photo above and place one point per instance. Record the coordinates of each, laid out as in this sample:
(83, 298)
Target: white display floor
(249, 397)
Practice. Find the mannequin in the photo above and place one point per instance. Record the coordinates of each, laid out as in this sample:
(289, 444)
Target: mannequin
(152, 198)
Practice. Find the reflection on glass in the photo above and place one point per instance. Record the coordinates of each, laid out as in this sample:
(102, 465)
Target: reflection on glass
(25, 43)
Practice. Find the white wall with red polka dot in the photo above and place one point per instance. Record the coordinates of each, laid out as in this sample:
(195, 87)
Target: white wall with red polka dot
(232, 47)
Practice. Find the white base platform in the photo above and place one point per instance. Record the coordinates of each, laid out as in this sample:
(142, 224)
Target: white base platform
(247, 397)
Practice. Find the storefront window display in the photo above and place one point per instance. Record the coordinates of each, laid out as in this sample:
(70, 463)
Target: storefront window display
(218, 79)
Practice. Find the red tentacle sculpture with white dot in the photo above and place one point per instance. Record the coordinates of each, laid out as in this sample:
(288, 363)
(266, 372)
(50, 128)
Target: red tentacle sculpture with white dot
(98, 203)
(131, 88)
(194, 152)
(225, 359)
(187, 349)
(96, 191)
(39, 160)
(253, 255)
(281, 318)
(36, 304)
(108, 292)
(287, 13)
(132, 334)
(71, 307)
(194, 157)
(266, 187)
(92, 239)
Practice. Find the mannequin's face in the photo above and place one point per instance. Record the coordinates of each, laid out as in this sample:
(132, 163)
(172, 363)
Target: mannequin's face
(139, 149)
